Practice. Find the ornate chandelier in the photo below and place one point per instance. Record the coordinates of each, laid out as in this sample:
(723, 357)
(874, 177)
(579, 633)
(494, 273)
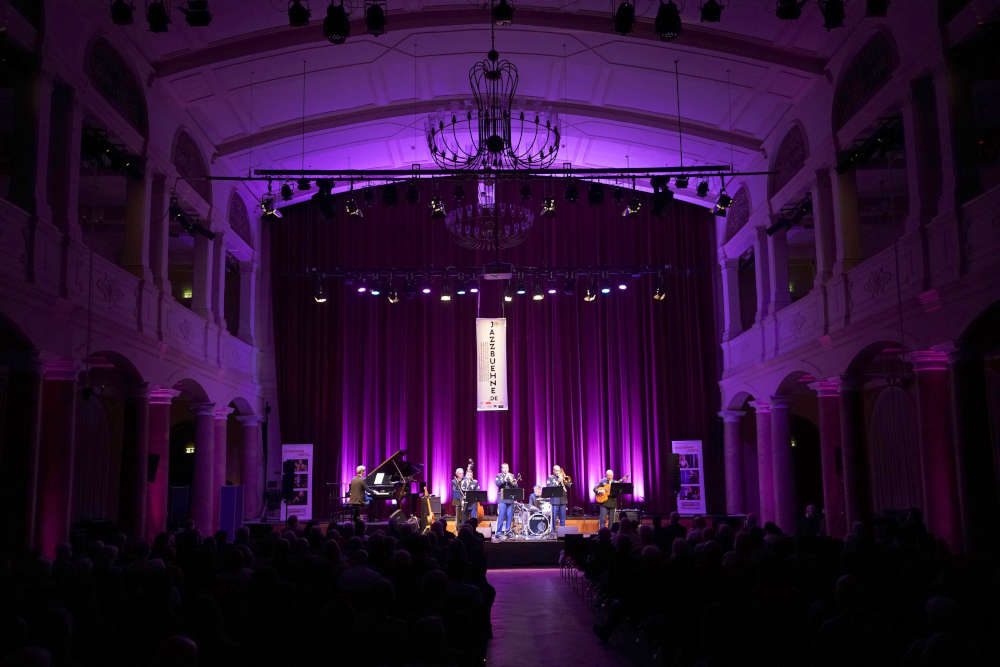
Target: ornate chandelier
(493, 136)
(488, 224)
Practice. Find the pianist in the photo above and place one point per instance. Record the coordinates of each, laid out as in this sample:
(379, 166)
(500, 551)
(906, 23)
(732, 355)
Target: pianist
(357, 494)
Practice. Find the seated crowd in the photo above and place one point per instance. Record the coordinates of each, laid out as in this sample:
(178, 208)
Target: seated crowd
(718, 594)
(395, 597)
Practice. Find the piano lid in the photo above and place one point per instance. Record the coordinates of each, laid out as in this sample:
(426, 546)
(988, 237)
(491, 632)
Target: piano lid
(395, 470)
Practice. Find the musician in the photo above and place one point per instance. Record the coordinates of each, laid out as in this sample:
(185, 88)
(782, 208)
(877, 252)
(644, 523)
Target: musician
(468, 483)
(357, 497)
(561, 479)
(607, 508)
(535, 498)
(505, 506)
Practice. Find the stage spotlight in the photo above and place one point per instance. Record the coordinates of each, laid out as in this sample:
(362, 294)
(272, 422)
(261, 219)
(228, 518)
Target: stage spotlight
(521, 289)
(286, 192)
(122, 12)
(438, 211)
(507, 296)
(681, 182)
(319, 289)
(303, 184)
(833, 13)
(711, 12)
(572, 193)
(605, 288)
(157, 16)
(622, 285)
(595, 194)
(659, 183)
(503, 13)
(196, 13)
(298, 15)
(551, 290)
(473, 287)
(324, 198)
(634, 206)
(362, 288)
(351, 208)
(392, 296)
(336, 25)
(624, 18)
(375, 19)
(375, 290)
(537, 294)
(789, 10)
(668, 21)
(390, 196)
(425, 289)
(724, 201)
(702, 189)
(412, 193)
(876, 8)
(548, 207)
(267, 210)
(590, 294)
(461, 290)
(445, 293)
(660, 293)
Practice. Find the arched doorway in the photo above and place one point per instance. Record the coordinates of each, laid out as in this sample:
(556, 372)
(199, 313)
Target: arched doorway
(977, 387)
(803, 418)
(748, 448)
(183, 450)
(18, 400)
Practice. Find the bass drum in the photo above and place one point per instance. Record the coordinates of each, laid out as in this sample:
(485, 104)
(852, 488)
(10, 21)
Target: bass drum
(538, 524)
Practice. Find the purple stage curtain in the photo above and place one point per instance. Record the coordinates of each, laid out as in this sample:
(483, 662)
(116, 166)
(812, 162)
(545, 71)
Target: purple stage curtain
(591, 385)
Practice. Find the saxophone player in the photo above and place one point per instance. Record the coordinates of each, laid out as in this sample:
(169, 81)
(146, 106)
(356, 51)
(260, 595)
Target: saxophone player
(559, 478)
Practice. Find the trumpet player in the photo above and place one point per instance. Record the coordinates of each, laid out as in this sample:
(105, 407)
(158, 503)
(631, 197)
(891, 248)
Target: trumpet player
(561, 479)
(505, 506)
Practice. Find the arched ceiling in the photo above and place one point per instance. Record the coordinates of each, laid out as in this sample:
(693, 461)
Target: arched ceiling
(366, 101)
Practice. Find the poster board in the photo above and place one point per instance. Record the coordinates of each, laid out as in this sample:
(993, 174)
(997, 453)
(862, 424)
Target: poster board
(690, 469)
(491, 364)
(297, 460)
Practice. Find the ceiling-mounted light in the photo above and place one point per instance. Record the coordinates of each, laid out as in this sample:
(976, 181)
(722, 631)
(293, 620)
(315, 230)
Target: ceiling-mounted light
(548, 207)
(303, 184)
(196, 13)
(667, 24)
(286, 192)
(702, 188)
(324, 197)
(446, 292)
(507, 296)
(473, 287)
(681, 182)
(605, 287)
(319, 288)
(660, 292)
(392, 296)
(633, 207)
(624, 17)
(375, 290)
(362, 288)
(833, 13)
(595, 194)
(590, 294)
(876, 8)
(722, 204)
(789, 10)
(122, 12)
(711, 12)
(351, 208)
(336, 25)
(537, 294)
(438, 211)
(298, 15)
(375, 19)
(503, 13)
(521, 290)
(622, 285)
(267, 209)
(157, 16)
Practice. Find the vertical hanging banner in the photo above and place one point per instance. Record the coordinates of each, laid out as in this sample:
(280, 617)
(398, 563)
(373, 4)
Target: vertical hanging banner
(297, 480)
(491, 353)
(691, 496)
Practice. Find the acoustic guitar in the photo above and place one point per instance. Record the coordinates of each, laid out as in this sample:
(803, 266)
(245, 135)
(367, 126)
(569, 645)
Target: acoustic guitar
(603, 491)
(430, 512)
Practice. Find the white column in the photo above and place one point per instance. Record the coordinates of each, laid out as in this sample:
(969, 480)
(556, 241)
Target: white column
(219, 279)
(201, 301)
(253, 469)
(847, 222)
(823, 226)
(733, 452)
(220, 459)
(777, 254)
(202, 503)
(785, 510)
(761, 265)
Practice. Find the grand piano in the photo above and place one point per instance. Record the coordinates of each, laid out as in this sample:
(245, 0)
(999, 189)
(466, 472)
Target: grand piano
(391, 479)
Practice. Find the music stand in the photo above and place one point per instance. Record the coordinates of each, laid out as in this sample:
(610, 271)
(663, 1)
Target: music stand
(553, 492)
(473, 497)
(512, 494)
(618, 490)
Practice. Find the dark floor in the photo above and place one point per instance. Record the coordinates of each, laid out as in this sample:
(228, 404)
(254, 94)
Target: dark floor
(539, 619)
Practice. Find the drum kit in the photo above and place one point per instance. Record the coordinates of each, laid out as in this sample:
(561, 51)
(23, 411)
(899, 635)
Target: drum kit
(532, 522)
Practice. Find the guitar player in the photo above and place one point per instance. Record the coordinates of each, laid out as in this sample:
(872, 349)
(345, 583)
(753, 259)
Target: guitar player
(606, 508)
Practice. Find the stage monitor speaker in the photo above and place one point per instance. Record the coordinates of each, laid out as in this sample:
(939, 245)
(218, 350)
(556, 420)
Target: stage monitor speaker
(485, 530)
(435, 504)
(562, 531)
(152, 464)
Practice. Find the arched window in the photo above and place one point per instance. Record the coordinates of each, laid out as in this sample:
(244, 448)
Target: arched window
(871, 69)
(191, 166)
(788, 160)
(739, 212)
(117, 84)
(239, 218)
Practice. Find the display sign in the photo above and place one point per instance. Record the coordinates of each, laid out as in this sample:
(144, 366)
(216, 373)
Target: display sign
(691, 496)
(297, 481)
(491, 352)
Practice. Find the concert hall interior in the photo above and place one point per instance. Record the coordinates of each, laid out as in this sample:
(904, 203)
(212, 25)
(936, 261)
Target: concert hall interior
(652, 332)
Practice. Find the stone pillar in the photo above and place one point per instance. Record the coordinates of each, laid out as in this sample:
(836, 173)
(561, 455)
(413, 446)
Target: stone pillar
(221, 417)
(159, 232)
(253, 469)
(857, 497)
(734, 460)
(761, 264)
(201, 299)
(56, 428)
(823, 224)
(828, 397)
(765, 468)
(248, 301)
(219, 279)
(937, 446)
(777, 254)
(203, 484)
(847, 222)
(732, 326)
(135, 255)
(785, 502)
(158, 400)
